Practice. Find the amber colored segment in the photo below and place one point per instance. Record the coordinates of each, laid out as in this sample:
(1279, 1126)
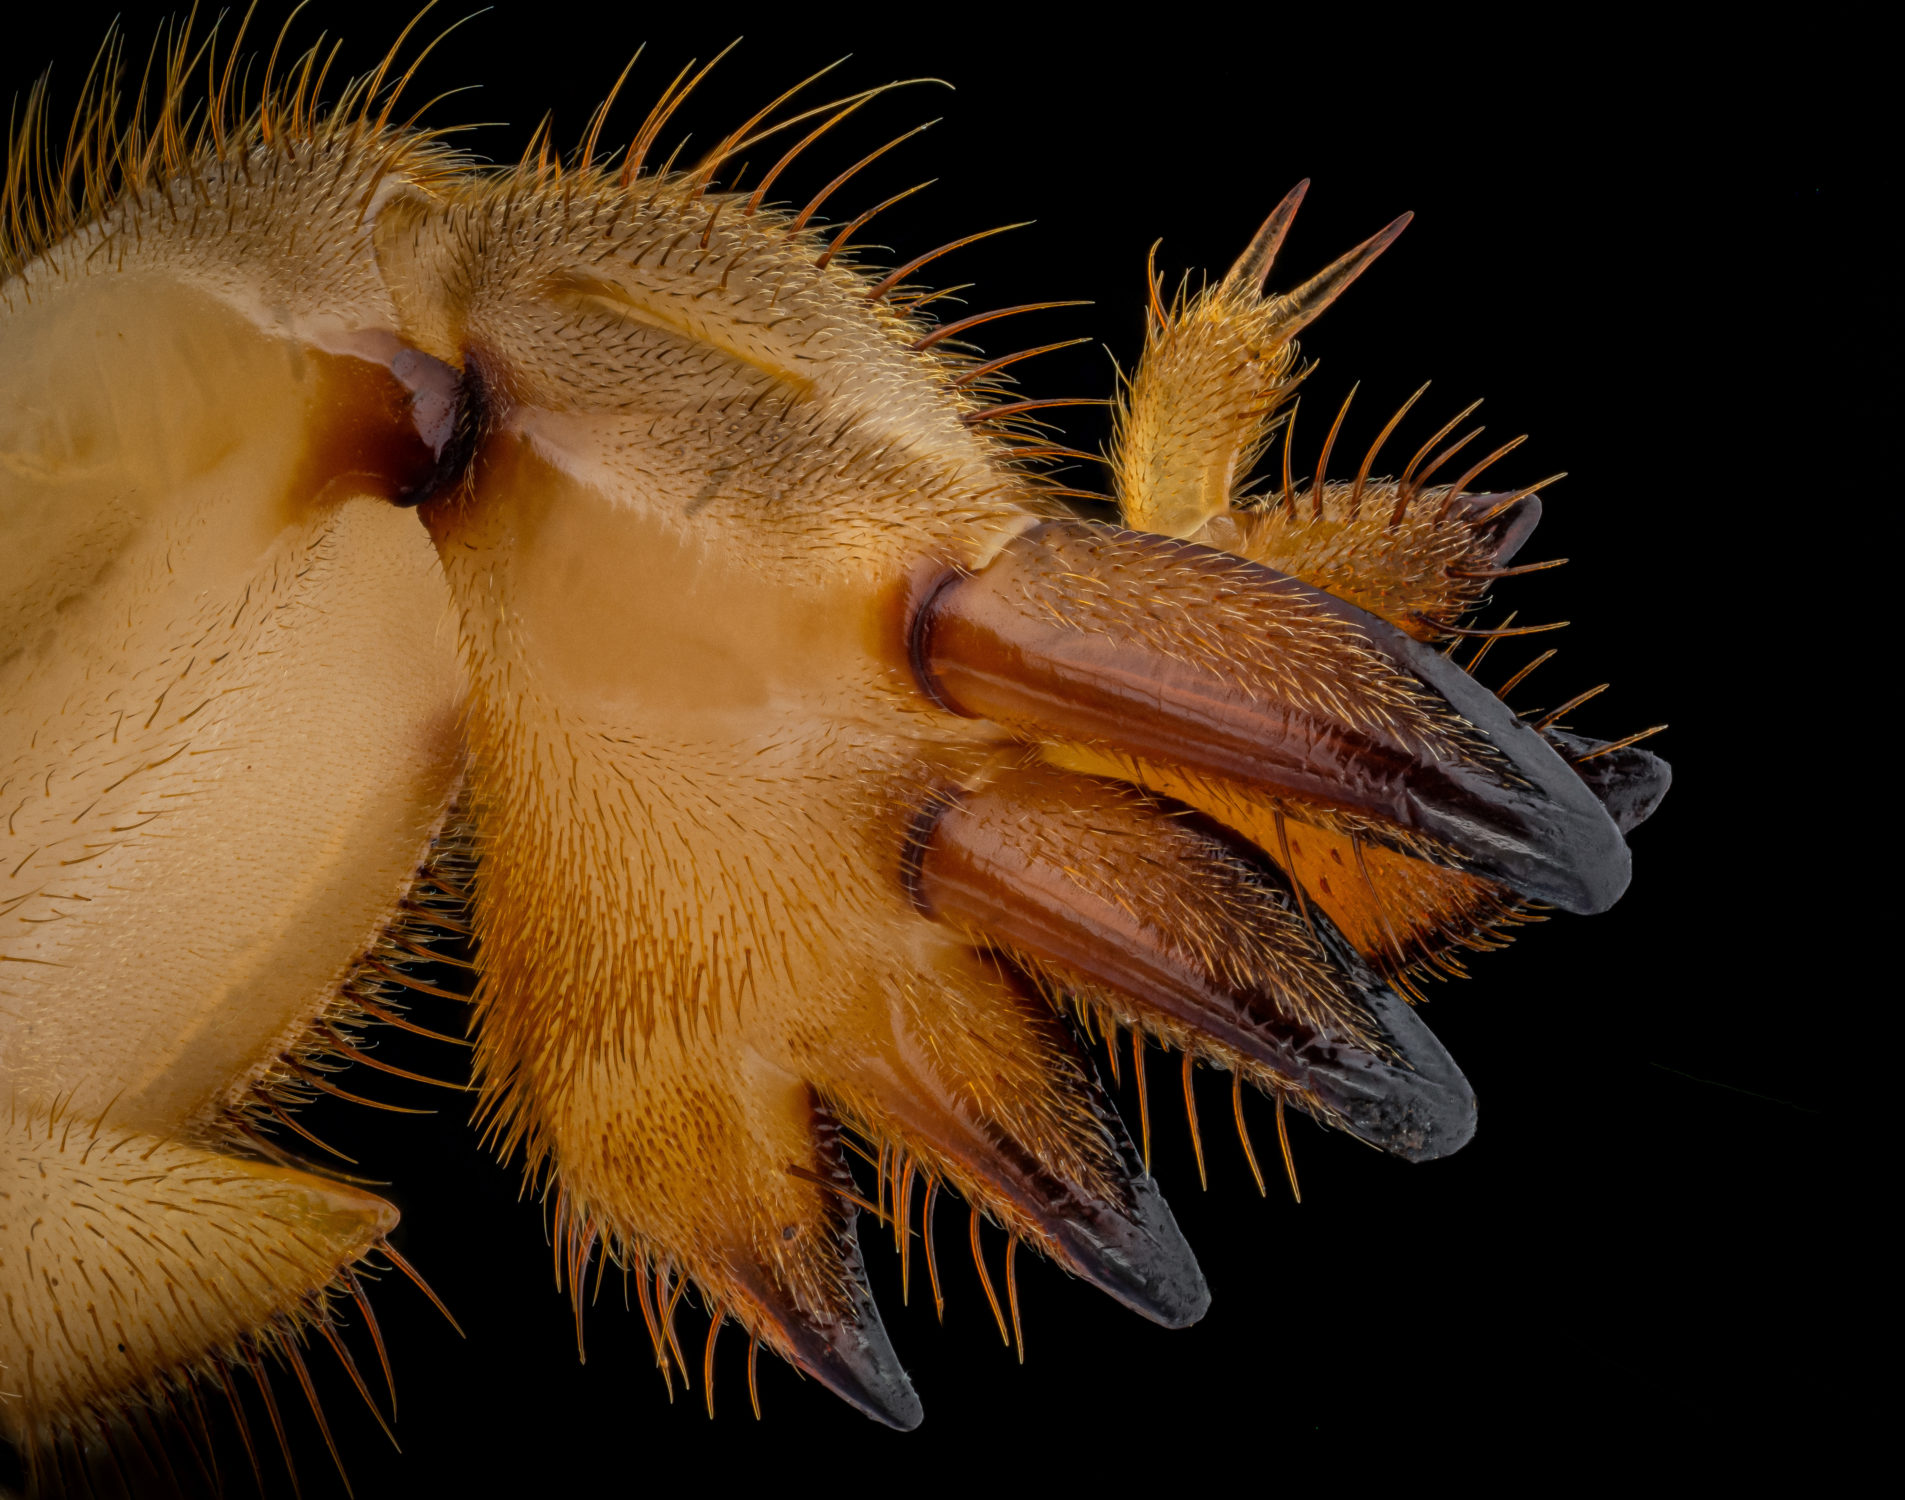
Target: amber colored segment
(223, 669)
(126, 1258)
(1392, 907)
(1098, 881)
(1175, 652)
(1216, 368)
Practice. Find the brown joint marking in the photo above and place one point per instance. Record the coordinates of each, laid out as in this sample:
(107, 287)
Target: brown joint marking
(918, 841)
(919, 631)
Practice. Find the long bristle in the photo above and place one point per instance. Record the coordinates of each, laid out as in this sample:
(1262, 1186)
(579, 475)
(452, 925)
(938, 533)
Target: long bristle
(1369, 458)
(289, 1348)
(985, 1280)
(173, 127)
(390, 1254)
(1323, 459)
(1243, 1132)
(1012, 1293)
(263, 1380)
(1190, 1114)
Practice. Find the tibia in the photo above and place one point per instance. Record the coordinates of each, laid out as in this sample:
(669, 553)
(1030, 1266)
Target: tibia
(1175, 652)
(1183, 933)
(129, 1263)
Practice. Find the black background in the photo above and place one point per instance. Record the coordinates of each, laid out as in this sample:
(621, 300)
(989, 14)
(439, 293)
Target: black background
(1651, 252)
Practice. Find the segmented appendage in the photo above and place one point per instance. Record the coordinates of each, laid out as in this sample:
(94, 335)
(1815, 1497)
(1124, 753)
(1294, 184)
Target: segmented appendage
(815, 770)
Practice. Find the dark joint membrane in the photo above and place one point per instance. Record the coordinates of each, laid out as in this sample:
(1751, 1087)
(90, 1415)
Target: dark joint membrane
(447, 414)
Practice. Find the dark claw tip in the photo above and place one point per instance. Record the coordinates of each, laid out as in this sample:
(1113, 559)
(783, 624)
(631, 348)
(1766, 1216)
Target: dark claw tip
(1417, 1106)
(855, 1360)
(1630, 782)
(1141, 1260)
(1505, 531)
(1422, 1112)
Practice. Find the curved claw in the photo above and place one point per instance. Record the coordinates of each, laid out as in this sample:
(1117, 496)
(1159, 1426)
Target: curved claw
(1138, 1257)
(1505, 520)
(1416, 1103)
(1091, 880)
(1247, 276)
(1630, 782)
(1062, 1175)
(1295, 310)
(1176, 652)
(837, 1337)
(859, 1366)
(850, 1354)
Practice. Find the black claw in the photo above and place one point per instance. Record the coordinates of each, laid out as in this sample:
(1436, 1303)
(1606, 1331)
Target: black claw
(1546, 837)
(1408, 1098)
(854, 1358)
(845, 1348)
(1027, 642)
(1630, 782)
(1414, 1104)
(1038, 861)
(1115, 1232)
(848, 1351)
(1506, 530)
(1139, 1258)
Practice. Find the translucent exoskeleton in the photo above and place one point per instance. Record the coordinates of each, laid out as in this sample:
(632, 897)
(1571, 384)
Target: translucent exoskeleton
(610, 564)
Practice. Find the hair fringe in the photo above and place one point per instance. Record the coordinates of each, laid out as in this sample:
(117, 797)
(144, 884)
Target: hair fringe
(188, 116)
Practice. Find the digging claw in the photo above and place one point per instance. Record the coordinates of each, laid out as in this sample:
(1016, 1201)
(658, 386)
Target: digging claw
(1139, 1257)
(1178, 653)
(1217, 947)
(1631, 782)
(1415, 1104)
(854, 1359)
(845, 1348)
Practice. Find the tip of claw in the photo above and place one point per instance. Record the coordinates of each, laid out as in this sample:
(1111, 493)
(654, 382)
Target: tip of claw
(1420, 1110)
(867, 1373)
(1141, 1259)
(1630, 782)
(1252, 269)
(856, 1361)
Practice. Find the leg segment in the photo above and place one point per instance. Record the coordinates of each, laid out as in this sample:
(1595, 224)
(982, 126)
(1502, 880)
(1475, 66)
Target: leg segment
(130, 1264)
(1178, 653)
(1194, 937)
